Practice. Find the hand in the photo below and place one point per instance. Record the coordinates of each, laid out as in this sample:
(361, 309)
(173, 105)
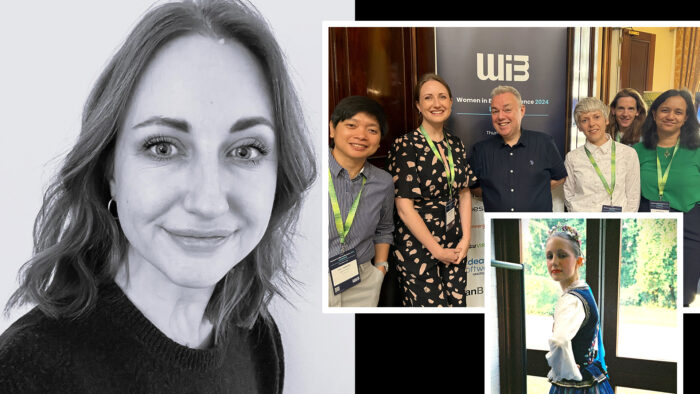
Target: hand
(463, 247)
(381, 268)
(447, 256)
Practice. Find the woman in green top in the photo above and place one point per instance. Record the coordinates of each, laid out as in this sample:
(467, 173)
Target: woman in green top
(669, 161)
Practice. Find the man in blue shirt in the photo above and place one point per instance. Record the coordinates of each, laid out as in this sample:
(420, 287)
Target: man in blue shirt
(361, 204)
(516, 169)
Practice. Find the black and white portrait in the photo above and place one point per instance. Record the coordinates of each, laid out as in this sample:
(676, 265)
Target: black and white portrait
(160, 208)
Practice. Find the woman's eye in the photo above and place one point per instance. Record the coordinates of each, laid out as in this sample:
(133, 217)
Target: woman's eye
(160, 148)
(246, 153)
(250, 152)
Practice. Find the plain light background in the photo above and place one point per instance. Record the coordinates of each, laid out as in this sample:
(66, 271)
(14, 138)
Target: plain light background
(52, 52)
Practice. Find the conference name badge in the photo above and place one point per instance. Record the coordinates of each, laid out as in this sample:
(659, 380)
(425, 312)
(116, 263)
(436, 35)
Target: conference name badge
(450, 214)
(659, 206)
(345, 271)
(612, 208)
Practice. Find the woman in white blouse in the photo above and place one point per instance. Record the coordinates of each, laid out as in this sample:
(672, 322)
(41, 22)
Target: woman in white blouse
(603, 174)
(576, 353)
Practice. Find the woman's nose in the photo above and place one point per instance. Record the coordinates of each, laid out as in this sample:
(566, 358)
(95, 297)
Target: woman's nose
(206, 195)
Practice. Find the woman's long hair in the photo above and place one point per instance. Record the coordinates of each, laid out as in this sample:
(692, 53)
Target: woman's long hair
(633, 135)
(78, 245)
(690, 131)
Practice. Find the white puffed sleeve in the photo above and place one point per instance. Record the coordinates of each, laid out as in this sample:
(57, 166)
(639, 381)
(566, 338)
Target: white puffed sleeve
(568, 317)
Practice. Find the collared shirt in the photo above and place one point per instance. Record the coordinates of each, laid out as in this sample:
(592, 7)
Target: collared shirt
(374, 222)
(517, 178)
(583, 189)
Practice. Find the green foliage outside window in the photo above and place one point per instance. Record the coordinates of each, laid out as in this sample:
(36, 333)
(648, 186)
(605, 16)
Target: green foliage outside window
(647, 270)
(541, 291)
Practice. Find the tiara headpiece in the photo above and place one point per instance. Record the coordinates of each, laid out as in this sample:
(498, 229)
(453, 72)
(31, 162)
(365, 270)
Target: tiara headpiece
(568, 230)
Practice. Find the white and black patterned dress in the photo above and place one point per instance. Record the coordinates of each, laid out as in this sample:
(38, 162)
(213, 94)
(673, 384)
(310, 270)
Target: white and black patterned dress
(420, 176)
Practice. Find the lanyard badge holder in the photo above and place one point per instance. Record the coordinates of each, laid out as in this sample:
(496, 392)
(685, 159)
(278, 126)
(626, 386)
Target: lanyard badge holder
(659, 205)
(450, 206)
(609, 189)
(344, 268)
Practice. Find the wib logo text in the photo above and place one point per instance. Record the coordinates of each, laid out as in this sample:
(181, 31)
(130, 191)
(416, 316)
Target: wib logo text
(503, 67)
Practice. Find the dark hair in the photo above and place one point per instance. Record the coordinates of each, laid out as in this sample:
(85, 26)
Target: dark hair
(690, 131)
(352, 105)
(429, 77)
(634, 133)
(78, 244)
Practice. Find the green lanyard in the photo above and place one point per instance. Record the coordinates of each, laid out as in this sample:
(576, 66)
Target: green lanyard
(343, 230)
(662, 179)
(449, 169)
(610, 188)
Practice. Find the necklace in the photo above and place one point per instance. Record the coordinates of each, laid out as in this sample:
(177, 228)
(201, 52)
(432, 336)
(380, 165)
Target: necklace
(666, 151)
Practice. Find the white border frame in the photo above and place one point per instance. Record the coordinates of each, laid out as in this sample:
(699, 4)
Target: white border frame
(488, 336)
(491, 336)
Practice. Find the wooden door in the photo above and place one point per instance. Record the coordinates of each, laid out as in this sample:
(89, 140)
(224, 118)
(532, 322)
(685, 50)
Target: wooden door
(383, 64)
(637, 60)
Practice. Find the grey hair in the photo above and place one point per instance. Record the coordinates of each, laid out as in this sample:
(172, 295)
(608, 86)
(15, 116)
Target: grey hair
(590, 104)
(507, 89)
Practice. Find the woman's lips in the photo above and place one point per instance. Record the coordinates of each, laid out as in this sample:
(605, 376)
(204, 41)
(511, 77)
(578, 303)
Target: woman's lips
(199, 240)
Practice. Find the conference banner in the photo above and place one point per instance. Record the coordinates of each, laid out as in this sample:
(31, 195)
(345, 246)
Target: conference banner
(473, 61)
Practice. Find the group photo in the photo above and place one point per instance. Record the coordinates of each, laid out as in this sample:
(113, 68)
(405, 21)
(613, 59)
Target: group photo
(465, 122)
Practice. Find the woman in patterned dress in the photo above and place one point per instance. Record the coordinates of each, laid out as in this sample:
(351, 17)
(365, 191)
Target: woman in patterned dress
(433, 203)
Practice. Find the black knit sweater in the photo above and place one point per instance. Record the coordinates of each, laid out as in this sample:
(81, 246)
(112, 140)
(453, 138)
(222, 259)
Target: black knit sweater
(115, 349)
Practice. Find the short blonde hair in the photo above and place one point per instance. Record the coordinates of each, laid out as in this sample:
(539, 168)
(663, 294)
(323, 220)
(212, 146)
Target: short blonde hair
(589, 104)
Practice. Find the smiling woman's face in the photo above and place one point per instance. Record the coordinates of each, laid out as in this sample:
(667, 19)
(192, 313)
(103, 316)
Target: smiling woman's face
(195, 164)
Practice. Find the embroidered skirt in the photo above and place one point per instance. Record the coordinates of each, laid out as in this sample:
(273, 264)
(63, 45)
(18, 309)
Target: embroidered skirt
(595, 381)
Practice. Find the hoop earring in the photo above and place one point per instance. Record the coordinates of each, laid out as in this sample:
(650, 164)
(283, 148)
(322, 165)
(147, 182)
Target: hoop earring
(110, 205)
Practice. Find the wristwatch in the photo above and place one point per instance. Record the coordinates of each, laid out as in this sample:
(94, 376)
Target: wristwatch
(383, 264)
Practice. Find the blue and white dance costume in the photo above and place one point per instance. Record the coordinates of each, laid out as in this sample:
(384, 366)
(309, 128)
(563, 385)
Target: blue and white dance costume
(576, 353)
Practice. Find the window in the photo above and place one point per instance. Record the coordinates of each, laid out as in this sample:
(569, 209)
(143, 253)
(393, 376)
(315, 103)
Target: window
(647, 301)
(541, 292)
(630, 265)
